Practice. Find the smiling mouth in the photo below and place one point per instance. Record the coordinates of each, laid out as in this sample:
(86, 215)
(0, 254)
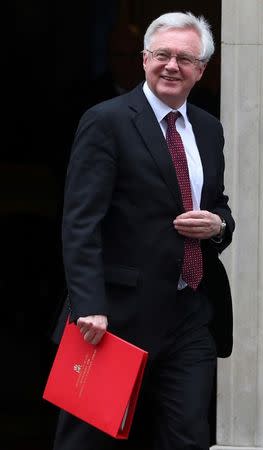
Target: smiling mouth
(170, 78)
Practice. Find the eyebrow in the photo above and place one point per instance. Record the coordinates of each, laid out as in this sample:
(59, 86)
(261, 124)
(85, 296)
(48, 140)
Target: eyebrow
(168, 50)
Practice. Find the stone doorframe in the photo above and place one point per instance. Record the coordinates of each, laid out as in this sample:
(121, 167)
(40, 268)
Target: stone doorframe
(240, 377)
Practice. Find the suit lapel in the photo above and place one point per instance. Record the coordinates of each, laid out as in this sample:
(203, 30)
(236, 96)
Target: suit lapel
(146, 123)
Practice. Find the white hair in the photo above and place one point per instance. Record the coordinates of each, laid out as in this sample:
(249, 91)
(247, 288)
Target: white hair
(183, 21)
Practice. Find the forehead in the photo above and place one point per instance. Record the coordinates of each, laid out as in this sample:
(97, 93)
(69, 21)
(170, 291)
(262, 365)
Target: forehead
(177, 39)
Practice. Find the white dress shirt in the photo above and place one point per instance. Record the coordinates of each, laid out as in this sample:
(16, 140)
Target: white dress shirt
(185, 130)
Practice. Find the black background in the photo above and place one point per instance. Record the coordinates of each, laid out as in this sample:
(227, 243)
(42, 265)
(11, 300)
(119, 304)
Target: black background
(62, 67)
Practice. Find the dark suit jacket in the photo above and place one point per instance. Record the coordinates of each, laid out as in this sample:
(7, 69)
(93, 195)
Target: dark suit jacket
(122, 255)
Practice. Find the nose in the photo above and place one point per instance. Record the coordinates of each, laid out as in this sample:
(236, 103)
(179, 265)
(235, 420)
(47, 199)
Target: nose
(172, 63)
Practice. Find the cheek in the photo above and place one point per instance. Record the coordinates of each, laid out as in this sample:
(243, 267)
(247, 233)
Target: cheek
(148, 71)
(193, 78)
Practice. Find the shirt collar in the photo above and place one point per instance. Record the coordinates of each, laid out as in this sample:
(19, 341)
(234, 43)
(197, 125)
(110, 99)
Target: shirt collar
(160, 108)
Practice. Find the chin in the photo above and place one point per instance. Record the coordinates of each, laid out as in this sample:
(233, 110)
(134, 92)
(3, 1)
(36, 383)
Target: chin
(171, 98)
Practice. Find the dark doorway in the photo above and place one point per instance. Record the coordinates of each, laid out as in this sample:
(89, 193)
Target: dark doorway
(68, 54)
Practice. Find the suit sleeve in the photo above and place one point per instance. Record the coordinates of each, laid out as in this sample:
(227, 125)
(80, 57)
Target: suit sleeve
(221, 206)
(88, 191)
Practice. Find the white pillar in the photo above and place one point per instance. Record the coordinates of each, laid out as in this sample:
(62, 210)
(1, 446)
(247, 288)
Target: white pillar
(240, 377)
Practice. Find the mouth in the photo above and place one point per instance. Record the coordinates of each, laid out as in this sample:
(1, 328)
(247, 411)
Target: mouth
(169, 78)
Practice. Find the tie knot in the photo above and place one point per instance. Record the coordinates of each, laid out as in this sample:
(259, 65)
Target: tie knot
(171, 117)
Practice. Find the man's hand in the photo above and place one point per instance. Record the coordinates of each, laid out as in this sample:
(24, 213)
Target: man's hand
(198, 224)
(92, 328)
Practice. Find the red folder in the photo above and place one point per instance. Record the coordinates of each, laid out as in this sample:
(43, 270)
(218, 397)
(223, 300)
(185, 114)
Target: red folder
(99, 384)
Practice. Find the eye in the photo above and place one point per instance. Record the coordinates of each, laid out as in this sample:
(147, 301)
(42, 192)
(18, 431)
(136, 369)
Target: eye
(185, 60)
(161, 55)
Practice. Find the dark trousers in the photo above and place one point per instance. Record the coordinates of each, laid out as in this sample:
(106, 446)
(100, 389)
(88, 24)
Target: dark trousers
(172, 412)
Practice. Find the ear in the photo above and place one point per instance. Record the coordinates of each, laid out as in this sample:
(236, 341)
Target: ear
(145, 59)
(200, 71)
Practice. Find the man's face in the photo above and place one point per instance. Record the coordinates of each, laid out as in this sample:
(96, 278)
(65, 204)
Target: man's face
(169, 81)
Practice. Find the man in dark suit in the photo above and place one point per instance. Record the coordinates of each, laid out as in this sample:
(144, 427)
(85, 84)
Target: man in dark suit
(127, 234)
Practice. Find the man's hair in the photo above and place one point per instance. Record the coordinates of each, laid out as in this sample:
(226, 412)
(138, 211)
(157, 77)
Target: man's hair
(181, 20)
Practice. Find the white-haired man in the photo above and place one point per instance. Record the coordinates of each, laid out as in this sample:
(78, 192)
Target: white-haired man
(145, 219)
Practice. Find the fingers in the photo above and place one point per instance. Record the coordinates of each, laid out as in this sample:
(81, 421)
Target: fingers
(97, 337)
(92, 328)
(199, 214)
(93, 336)
(197, 224)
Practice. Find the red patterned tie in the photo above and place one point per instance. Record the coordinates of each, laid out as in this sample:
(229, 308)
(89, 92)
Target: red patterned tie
(192, 270)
